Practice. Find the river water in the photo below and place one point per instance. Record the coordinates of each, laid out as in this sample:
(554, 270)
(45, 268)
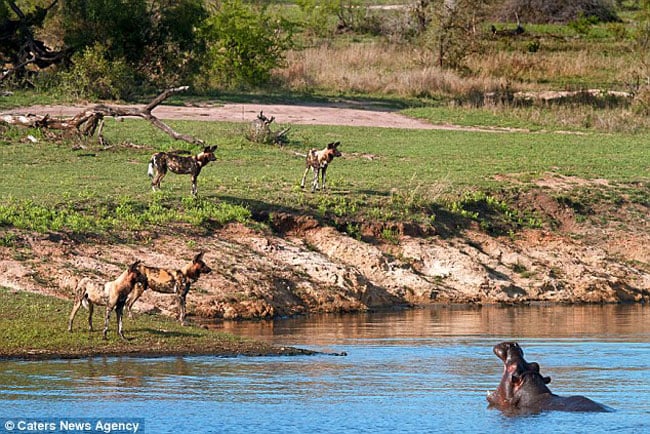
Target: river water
(413, 371)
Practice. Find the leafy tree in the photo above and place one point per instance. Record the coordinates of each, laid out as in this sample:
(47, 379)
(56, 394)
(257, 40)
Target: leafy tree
(451, 28)
(19, 45)
(122, 26)
(175, 49)
(558, 11)
(244, 43)
(156, 38)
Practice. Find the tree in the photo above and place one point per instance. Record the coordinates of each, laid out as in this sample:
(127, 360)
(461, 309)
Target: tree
(451, 28)
(122, 26)
(19, 47)
(244, 43)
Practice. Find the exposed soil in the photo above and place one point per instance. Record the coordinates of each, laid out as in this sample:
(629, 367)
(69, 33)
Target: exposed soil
(284, 115)
(299, 266)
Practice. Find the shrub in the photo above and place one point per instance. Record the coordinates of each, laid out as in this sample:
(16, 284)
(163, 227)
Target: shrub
(94, 76)
(557, 11)
(244, 44)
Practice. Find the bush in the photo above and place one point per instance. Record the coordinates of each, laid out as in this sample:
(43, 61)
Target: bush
(94, 76)
(244, 44)
(557, 11)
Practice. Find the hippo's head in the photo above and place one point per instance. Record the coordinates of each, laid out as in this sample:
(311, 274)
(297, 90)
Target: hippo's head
(523, 389)
(515, 369)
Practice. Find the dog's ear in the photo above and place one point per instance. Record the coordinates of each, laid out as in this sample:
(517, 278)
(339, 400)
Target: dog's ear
(198, 256)
(211, 148)
(133, 267)
(333, 145)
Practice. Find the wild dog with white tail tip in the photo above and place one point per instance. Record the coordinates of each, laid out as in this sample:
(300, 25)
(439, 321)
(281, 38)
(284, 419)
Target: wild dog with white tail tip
(113, 295)
(182, 165)
(169, 281)
(318, 161)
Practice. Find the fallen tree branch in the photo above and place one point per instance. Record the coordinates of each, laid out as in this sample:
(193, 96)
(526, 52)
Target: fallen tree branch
(91, 120)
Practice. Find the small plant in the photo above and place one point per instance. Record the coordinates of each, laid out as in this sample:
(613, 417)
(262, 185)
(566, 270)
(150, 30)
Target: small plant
(493, 215)
(390, 235)
(8, 239)
(353, 230)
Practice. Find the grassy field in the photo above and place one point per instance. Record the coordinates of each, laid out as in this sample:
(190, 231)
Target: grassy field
(385, 174)
(28, 332)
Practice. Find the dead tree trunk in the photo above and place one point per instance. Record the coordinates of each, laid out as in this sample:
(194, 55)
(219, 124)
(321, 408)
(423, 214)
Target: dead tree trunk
(260, 131)
(91, 120)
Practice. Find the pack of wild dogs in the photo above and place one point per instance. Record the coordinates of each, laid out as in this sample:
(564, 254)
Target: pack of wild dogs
(124, 291)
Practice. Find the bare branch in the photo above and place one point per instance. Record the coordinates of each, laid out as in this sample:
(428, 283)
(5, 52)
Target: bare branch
(87, 122)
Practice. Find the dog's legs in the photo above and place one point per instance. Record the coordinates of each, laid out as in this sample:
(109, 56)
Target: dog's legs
(155, 182)
(133, 297)
(119, 310)
(181, 308)
(75, 308)
(91, 307)
(182, 296)
(109, 308)
(194, 185)
(322, 184)
(304, 176)
(314, 184)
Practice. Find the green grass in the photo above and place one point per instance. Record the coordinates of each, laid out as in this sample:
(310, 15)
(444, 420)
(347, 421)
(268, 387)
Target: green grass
(35, 326)
(409, 172)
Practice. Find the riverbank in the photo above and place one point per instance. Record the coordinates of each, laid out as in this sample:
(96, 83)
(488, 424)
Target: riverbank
(295, 265)
(34, 328)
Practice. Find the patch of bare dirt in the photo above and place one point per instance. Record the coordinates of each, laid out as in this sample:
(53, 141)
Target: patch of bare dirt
(284, 115)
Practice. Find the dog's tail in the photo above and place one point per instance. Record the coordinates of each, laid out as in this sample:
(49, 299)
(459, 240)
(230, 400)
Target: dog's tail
(153, 165)
(299, 154)
(80, 291)
(84, 301)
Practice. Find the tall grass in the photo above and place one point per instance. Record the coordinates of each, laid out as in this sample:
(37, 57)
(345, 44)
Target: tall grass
(376, 68)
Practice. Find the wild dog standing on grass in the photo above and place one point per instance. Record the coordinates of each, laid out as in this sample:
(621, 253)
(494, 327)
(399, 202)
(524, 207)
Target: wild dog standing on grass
(317, 161)
(113, 295)
(168, 281)
(182, 165)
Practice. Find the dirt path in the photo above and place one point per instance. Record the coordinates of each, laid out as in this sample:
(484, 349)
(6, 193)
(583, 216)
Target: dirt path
(284, 115)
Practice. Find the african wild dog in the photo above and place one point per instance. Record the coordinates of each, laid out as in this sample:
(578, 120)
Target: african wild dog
(113, 295)
(318, 161)
(163, 161)
(169, 281)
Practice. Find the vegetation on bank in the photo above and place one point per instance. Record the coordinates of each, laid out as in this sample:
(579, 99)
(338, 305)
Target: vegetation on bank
(34, 326)
(385, 175)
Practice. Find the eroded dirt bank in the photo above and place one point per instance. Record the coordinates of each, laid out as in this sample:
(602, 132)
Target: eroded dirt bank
(300, 266)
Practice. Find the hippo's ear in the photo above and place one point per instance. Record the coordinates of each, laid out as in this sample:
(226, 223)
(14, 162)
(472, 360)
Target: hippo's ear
(546, 380)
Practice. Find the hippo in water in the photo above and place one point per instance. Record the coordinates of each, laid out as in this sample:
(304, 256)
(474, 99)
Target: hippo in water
(523, 389)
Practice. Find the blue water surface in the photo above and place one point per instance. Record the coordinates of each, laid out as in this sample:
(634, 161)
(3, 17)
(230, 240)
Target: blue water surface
(422, 371)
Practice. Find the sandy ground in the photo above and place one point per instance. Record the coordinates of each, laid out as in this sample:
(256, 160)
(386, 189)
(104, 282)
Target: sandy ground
(284, 114)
